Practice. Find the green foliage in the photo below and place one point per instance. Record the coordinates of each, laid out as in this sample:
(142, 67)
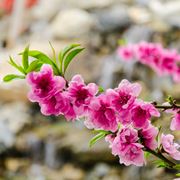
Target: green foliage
(34, 66)
(147, 154)
(101, 134)
(10, 77)
(67, 55)
(177, 166)
(25, 61)
(18, 67)
(122, 42)
(40, 58)
(101, 89)
(160, 163)
(170, 100)
(178, 174)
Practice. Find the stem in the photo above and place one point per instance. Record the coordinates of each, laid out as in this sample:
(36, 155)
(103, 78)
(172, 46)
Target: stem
(160, 156)
(172, 106)
(167, 107)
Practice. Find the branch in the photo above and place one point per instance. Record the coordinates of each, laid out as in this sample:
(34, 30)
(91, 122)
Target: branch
(160, 156)
(165, 107)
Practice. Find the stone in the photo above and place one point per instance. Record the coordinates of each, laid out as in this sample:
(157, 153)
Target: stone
(140, 15)
(7, 138)
(69, 143)
(72, 23)
(137, 33)
(112, 19)
(71, 172)
(45, 10)
(93, 4)
(15, 116)
(165, 9)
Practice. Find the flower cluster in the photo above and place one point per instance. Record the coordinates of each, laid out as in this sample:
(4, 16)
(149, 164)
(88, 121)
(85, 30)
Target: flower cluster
(162, 61)
(55, 98)
(118, 111)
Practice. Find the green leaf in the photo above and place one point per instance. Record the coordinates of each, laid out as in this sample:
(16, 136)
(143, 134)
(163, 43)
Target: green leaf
(53, 51)
(170, 99)
(99, 136)
(44, 58)
(100, 89)
(63, 53)
(11, 77)
(34, 66)
(122, 42)
(177, 166)
(41, 56)
(18, 67)
(178, 174)
(25, 58)
(70, 56)
(147, 154)
(161, 163)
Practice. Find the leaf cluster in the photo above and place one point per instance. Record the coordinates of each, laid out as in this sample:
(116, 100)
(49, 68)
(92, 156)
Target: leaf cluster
(59, 64)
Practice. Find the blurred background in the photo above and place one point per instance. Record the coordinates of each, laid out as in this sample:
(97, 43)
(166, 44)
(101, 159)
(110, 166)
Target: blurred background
(34, 147)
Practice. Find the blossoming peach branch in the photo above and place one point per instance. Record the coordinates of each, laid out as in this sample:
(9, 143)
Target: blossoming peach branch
(118, 115)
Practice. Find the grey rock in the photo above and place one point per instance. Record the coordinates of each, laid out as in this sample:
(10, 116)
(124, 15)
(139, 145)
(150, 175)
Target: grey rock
(15, 116)
(7, 138)
(112, 19)
(138, 33)
(72, 23)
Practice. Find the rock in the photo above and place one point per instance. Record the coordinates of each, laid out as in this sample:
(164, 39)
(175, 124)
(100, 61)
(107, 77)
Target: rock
(140, 15)
(71, 172)
(15, 164)
(112, 19)
(101, 170)
(72, 23)
(90, 4)
(45, 10)
(110, 66)
(64, 143)
(15, 116)
(174, 21)
(136, 34)
(165, 9)
(7, 138)
(146, 173)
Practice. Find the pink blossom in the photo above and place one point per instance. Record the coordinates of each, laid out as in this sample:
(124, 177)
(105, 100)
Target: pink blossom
(101, 114)
(148, 136)
(125, 137)
(176, 74)
(141, 114)
(126, 52)
(161, 60)
(110, 139)
(168, 61)
(80, 94)
(170, 147)
(122, 99)
(149, 53)
(59, 104)
(44, 84)
(175, 123)
(133, 155)
(126, 147)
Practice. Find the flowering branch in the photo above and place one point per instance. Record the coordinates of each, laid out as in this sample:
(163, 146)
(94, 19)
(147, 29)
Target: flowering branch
(160, 156)
(163, 61)
(165, 107)
(118, 115)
